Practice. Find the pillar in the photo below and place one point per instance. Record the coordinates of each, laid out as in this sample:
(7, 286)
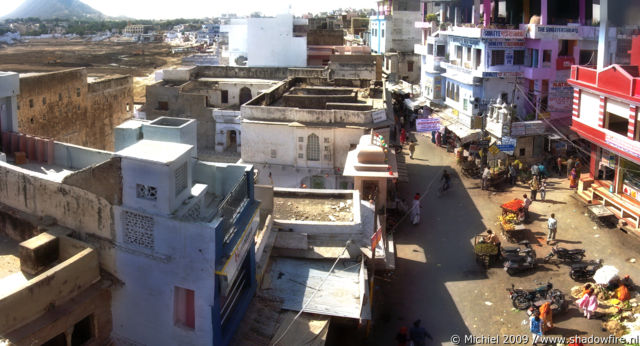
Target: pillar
(576, 103)
(603, 102)
(526, 16)
(632, 121)
(456, 13)
(583, 11)
(544, 15)
(593, 165)
(487, 12)
(475, 17)
(603, 44)
(443, 13)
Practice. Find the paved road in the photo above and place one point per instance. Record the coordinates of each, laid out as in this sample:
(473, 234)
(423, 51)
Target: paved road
(437, 279)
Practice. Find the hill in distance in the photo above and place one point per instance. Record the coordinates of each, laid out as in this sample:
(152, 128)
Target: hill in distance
(49, 9)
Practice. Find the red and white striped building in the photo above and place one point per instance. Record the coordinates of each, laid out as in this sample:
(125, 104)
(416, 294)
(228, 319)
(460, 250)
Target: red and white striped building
(605, 113)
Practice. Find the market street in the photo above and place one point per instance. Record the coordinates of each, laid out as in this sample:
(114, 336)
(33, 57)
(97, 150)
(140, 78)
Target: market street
(436, 277)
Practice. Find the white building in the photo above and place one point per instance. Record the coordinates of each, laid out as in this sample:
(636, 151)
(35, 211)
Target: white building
(9, 90)
(266, 42)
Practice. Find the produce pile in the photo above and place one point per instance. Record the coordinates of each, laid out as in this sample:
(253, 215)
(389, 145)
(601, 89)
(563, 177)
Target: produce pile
(513, 205)
(486, 249)
(508, 221)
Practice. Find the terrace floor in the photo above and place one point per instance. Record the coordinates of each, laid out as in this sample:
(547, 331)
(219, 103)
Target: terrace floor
(324, 209)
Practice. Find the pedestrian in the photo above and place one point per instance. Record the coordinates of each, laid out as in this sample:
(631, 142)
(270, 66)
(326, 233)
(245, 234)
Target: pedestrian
(418, 334)
(527, 204)
(402, 337)
(578, 167)
(438, 138)
(513, 174)
(573, 178)
(543, 189)
(415, 209)
(535, 170)
(588, 303)
(403, 136)
(412, 148)
(546, 315)
(485, 177)
(534, 184)
(552, 223)
(433, 137)
(569, 166)
(559, 166)
(535, 326)
(542, 171)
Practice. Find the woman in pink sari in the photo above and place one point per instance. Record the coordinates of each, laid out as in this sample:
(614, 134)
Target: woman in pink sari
(588, 303)
(573, 178)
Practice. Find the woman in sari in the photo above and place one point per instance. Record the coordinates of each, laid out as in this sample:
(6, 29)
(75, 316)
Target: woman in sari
(573, 178)
(546, 317)
(403, 136)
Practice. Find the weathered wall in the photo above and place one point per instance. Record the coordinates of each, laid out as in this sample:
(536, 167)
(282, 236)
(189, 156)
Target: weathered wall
(63, 106)
(325, 38)
(104, 180)
(72, 207)
(274, 73)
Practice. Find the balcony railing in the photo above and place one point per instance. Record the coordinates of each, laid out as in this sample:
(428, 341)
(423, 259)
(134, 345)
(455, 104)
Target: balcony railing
(232, 206)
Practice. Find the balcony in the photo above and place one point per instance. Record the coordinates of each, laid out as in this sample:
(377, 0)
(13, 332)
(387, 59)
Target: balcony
(420, 49)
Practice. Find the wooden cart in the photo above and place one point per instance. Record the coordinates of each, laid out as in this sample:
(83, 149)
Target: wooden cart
(511, 219)
(486, 253)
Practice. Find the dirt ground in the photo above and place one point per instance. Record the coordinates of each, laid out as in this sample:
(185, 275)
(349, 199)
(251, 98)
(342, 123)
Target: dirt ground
(100, 58)
(312, 209)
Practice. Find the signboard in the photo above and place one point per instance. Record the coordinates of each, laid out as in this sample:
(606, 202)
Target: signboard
(631, 191)
(375, 239)
(483, 143)
(379, 116)
(624, 144)
(557, 32)
(528, 128)
(507, 145)
(466, 42)
(504, 44)
(237, 256)
(502, 33)
(473, 148)
(427, 124)
(494, 149)
(564, 62)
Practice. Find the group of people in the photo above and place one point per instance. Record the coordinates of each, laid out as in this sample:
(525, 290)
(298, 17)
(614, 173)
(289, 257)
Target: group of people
(416, 335)
(540, 322)
(574, 169)
(537, 184)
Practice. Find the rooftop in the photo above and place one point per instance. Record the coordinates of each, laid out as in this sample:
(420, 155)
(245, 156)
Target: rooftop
(616, 80)
(328, 208)
(155, 151)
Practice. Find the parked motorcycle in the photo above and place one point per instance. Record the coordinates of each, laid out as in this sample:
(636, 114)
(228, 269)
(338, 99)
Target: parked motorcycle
(572, 255)
(513, 250)
(584, 271)
(523, 260)
(523, 299)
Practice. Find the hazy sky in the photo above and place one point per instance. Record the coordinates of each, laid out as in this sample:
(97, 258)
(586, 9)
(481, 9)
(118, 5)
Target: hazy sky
(160, 9)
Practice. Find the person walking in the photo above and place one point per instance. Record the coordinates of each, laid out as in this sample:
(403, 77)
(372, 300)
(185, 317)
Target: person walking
(559, 166)
(534, 184)
(415, 209)
(588, 303)
(418, 334)
(542, 170)
(403, 136)
(403, 337)
(552, 223)
(513, 174)
(543, 189)
(485, 177)
(527, 204)
(569, 166)
(535, 326)
(412, 148)
(535, 170)
(546, 315)
(573, 178)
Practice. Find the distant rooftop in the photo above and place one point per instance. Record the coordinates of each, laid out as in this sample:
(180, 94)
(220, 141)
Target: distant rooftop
(156, 151)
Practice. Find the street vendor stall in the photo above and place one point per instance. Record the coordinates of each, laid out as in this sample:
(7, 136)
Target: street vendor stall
(497, 177)
(511, 219)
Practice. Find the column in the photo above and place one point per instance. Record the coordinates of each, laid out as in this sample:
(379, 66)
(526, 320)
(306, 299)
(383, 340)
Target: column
(603, 44)
(443, 11)
(475, 18)
(583, 9)
(603, 102)
(487, 13)
(456, 13)
(632, 121)
(526, 16)
(544, 16)
(576, 103)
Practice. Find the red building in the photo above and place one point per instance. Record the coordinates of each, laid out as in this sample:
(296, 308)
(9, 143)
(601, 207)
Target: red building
(605, 113)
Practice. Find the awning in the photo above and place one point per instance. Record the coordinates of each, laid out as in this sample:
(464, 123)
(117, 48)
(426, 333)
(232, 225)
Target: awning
(465, 134)
(416, 103)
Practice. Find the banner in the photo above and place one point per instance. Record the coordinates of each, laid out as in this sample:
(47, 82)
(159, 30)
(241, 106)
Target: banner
(427, 124)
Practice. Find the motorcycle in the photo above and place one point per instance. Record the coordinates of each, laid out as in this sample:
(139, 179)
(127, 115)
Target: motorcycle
(523, 299)
(584, 271)
(513, 250)
(523, 260)
(572, 255)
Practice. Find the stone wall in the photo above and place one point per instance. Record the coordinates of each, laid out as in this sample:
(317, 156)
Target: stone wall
(325, 38)
(64, 106)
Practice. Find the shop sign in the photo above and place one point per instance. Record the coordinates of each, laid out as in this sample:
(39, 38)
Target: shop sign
(483, 143)
(504, 44)
(507, 145)
(631, 191)
(237, 256)
(564, 62)
(502, 33)
(467, 42)
(375, 239)
(528, 128)
(427, 124)
(494, 149)
(625, 145)
(501, 74)
(558, 32)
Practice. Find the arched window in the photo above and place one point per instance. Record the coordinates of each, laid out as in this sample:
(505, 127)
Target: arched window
(313, 147)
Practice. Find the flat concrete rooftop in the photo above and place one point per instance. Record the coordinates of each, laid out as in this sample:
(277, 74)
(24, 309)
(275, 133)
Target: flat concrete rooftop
(155, 151)
(327, 208)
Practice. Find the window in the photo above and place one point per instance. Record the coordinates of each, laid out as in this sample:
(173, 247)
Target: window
(465, 104)
(504, 97)
(138, 229)
(300, 139)
(410, 66)
(184, 314)
(563, 50)
(82, 331)
(518, 57)
(181, 178)
(224, 96)
(459, 52)
(497, 57)
(478, 53)
(58, 340)
(440, 51)
(546, 58)
(327, 140)
(128, 107)
(616, 123)
(522, 151)
(30, 103)
(301, 156)
(430, 48)
(382, 33)
(313, 147)
(146, 192)
(468, 52)
(587, 57)
(44, 101)
(273, 153)
(457, 96)
(78, 92)
(535, 58)
(163, 105)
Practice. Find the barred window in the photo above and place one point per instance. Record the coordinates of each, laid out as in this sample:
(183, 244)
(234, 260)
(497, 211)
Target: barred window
(497, 57)
(146, 192)
(181, 178)
(138, 229)
(313, 147)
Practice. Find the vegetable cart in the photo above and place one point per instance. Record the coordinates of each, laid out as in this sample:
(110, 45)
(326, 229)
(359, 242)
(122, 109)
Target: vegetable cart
(486, 253)
(511, 219)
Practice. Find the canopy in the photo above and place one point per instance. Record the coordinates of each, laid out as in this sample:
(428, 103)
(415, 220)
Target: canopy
(465, 134)
(605, 274)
